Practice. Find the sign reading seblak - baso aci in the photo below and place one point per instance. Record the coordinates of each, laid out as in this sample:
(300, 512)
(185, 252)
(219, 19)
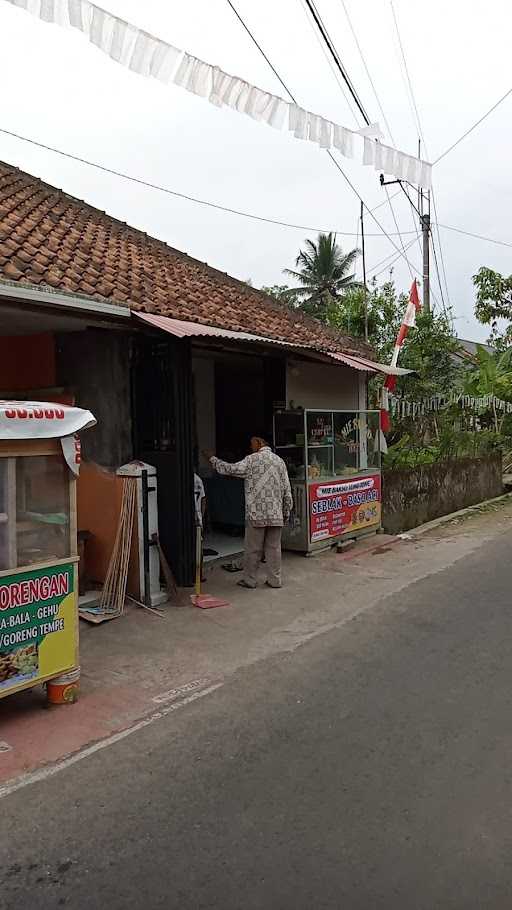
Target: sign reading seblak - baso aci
(345, 505)
(37, 625)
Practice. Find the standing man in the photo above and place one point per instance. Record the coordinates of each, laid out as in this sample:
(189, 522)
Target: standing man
(268, 503)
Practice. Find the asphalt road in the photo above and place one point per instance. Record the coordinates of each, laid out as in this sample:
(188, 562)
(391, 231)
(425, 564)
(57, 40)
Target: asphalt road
(369, 769)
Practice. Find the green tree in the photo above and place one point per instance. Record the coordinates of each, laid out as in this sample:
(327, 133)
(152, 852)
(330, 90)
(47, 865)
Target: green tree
(385, 310)
(494, 303)
(492, 375)
(280, 292)
(324, 274)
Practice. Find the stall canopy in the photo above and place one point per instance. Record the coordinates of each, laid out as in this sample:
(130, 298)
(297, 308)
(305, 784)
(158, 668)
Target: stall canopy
(181, 329)
(44, 420)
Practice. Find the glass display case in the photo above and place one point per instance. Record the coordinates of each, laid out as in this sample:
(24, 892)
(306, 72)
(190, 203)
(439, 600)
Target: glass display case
(333, 461)
(38, 564)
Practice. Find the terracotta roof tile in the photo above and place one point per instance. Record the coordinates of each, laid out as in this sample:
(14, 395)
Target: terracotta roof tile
(48, 237)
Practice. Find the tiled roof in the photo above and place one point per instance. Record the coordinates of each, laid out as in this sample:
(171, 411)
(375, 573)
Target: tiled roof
(54, 240)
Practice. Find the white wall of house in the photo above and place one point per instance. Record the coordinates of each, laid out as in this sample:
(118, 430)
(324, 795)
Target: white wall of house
(318, 385)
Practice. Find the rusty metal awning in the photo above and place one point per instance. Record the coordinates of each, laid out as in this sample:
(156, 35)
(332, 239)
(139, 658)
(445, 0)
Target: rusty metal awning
(182, 329)
(370, 366)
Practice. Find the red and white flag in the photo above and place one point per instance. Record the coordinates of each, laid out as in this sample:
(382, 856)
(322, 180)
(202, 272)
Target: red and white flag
(408, 322)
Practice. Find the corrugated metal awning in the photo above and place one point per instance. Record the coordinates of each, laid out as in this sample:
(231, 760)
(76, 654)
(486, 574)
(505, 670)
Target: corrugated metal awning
(370, 366)
(182, 329)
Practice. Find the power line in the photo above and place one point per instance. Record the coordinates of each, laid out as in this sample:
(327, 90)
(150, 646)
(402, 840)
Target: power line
(363, 60)
(331, 65)
(170, 192)
(262, 52)
(441, 254)
(406, 68)
(334, 53)
(396, 225)
(377, 98)
(331, 46)
(470, 130)
(393, 256)
(438, 276)
(422, 136)
(448, 227)
(330, 154)
(223, 208)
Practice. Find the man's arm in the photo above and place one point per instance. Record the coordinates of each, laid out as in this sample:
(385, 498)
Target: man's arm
(287, 493)
(238, 469)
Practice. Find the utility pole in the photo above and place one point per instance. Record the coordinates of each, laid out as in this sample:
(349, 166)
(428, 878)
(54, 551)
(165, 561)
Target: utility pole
(365, 298)
(425, 229)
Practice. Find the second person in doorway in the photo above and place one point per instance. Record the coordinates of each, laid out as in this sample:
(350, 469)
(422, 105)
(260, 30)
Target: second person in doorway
(268, 503)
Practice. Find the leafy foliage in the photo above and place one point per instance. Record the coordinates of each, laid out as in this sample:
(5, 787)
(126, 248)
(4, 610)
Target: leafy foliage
(324, 275)
(492, 375)
(280, 292)
(494, 302)
(408, 452)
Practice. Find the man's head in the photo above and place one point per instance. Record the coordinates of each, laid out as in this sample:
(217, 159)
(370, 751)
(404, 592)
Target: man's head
(257, 443)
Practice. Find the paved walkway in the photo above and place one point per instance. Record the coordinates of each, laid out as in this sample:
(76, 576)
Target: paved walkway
(134, 666)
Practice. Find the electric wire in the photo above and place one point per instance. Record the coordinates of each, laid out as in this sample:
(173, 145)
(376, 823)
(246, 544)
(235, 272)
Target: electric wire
(164, 189)
(396, 225)
(439, 277)
(337, 60)
(330, 154)
(262, 52)
(457, 230)
(239, 212)
(377, 98)
(330, 44)
(330, 63)
(394, 256)
(471, 128)
(367, 71)
(416, 116)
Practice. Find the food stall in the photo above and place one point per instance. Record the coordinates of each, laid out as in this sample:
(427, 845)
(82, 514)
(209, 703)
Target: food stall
(333, 461)
(39, 463)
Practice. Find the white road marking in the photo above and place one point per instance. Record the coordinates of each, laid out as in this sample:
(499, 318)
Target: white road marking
(173, 694)
(5, 747)
(49, 771)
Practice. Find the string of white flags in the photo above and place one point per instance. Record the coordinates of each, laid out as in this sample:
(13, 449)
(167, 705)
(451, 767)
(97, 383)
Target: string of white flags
(149, 56)
(402, 408)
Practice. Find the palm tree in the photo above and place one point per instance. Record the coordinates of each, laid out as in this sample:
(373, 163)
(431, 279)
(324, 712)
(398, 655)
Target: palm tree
(323, 273)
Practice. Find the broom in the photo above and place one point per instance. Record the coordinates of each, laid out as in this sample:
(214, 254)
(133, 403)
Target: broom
(114, 590)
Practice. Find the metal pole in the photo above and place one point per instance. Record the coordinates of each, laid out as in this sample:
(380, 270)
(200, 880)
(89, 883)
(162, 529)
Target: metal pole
(420, 194)
(365, 298)
(145, 535)
(425, 228)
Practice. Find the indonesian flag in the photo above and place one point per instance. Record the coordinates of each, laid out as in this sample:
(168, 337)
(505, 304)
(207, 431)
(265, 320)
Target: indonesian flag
(408, 322)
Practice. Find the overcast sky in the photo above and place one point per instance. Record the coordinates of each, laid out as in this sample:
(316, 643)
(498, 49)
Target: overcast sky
(62, 91)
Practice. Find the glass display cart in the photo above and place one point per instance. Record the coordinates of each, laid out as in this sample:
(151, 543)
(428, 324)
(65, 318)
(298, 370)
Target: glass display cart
(333, 461)
(39, 459)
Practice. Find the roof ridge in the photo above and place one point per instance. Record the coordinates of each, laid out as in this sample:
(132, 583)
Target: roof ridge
(143, 270)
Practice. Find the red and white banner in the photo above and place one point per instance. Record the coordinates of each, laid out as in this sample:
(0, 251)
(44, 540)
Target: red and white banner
(409, 320)
(339, 506)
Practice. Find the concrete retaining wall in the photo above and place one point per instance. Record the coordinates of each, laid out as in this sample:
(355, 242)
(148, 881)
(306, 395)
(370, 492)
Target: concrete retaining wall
(412, 496)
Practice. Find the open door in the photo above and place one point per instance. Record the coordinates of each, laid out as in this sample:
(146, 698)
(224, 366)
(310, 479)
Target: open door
(162, 409)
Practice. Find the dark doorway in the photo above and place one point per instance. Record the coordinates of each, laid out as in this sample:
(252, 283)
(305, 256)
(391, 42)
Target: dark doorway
(239, 406)
(162, 408)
